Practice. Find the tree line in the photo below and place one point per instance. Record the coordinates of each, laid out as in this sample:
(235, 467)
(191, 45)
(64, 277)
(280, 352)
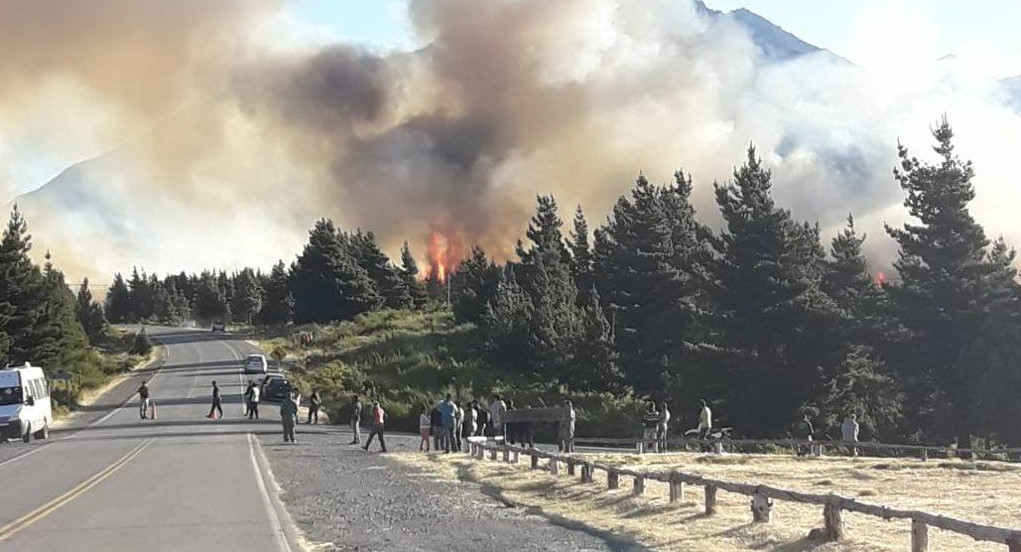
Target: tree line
(41, 320)
(759, 316)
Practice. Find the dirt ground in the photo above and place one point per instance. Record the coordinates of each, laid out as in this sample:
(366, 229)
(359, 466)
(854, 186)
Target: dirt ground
(988, 493)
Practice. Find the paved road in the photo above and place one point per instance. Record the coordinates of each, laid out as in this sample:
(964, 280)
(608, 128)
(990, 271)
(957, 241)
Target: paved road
(182, 482)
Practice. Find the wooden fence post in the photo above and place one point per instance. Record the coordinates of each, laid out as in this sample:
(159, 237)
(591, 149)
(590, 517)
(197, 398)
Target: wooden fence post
(554, 466)
(514, 457)
(919, 536)
(834, 522)
(535, 462)
(925, 455)
(492, 454)
(586, 474)
(506, 455)
(710, 500)
(762, 508)
(639, 488)
(676, 490)
(1014, 544)
(570, 467)
(612, 480)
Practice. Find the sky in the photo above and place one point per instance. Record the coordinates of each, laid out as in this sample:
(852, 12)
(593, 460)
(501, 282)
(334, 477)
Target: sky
(859, 30)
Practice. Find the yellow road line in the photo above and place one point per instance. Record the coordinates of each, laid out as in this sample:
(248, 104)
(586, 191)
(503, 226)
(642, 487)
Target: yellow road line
(16, 526)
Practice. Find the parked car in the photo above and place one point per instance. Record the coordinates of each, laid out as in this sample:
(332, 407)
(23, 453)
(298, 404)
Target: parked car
(275, 388)
(219, 327)
(256, 364)
(25, 409)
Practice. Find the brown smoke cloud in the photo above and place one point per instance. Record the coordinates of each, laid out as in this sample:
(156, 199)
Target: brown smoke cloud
(226, 145)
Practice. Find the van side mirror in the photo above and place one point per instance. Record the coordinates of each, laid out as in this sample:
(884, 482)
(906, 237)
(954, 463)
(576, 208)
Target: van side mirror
(30, 401)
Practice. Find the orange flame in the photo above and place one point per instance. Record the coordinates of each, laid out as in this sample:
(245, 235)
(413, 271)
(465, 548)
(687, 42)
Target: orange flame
(880, 278)
(445, 251)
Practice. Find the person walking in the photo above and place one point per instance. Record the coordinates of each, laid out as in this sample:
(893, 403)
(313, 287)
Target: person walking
(253, 403)
(448, 411)
(289, 417)
(315, 400)
(378, 422)
(566, 440)
(510, 428)
(424, 426)
(248, 397)
(216, 407)
(497, 410)
(849, 432)
(356, 420)
(705, 425)
(661, 427)
(143, 400)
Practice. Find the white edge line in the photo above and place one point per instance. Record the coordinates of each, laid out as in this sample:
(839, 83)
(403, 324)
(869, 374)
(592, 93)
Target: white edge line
(271, 505)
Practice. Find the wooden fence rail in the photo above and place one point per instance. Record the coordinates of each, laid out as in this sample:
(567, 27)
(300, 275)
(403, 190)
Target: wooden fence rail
(921, 451)
(762, 497)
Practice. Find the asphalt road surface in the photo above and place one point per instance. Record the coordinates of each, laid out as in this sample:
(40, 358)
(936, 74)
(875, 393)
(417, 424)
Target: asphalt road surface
(112, 481)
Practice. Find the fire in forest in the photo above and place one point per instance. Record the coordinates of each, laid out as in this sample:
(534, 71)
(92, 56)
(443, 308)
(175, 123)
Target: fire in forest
(445, 251)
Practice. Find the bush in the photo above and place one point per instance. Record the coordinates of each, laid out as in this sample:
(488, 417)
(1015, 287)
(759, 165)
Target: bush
(141, 345)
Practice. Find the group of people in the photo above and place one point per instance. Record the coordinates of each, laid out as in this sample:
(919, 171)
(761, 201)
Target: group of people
(656, 425)
(450, 424)
(378, 424)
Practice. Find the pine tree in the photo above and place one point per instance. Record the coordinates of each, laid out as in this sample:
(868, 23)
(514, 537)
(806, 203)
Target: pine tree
(582, 260)
(772, 320)
(595, 363)
(645, 268)
(327, 282)
(248, 296)
(211, 302)
(387, 278)
(475, 284)
(506, 324)
(21, 288)
(118, 300)
(409, 273)
(90, 314)
(57, 341)
(278, 308)
(948, 287)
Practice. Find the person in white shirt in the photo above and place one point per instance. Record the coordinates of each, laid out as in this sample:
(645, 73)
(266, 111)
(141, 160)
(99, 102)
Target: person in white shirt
(497, 410)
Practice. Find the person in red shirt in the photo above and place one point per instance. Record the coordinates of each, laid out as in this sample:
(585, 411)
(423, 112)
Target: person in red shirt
(378, 421)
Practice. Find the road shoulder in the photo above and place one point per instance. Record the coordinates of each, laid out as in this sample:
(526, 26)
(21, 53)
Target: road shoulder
(343, 498)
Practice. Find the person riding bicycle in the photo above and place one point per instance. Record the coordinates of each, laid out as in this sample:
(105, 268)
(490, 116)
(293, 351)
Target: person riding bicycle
(143, 404)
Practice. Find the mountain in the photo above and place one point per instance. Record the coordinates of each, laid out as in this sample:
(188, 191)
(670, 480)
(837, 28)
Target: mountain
(774, 43)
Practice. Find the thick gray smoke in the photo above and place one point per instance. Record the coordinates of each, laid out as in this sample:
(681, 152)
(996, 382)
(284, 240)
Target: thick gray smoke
(233, 145)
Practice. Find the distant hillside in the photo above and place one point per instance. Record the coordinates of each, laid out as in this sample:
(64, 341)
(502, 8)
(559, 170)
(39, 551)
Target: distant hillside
(1012, 87)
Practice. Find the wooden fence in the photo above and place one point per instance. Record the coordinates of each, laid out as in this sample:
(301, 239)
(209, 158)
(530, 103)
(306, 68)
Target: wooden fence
(762, 496)
(818, 447)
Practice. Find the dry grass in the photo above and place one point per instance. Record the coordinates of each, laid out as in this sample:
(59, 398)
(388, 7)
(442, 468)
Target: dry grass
(983, 493)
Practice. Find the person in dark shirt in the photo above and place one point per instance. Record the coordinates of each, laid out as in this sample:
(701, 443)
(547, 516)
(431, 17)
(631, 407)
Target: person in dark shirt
(356, 421)
(217, 408)
(315, 400)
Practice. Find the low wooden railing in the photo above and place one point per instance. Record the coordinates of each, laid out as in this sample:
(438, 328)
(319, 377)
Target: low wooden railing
(819, 447)
(762, 496)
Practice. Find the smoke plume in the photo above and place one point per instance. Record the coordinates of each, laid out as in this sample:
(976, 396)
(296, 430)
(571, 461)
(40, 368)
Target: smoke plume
(225, 145)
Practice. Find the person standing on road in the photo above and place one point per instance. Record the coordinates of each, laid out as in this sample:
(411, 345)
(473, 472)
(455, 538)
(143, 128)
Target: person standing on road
(661, 427)
(497, 410)
(566, 440)
(217, 408)
(458, 424)
(289, 417)
(143, 400)
(248, 398)
(705, 421)
(436, 426)
(423, 431)
(315, 400)
(378, 422)
(253, 403)
(356, 421)
(849, 432)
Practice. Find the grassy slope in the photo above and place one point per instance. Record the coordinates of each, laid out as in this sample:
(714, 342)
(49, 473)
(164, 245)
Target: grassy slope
(410, 359)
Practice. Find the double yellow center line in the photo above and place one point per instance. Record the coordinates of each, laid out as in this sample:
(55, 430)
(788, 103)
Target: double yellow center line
(16, 526)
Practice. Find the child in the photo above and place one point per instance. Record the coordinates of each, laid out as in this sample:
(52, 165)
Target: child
(423, 428)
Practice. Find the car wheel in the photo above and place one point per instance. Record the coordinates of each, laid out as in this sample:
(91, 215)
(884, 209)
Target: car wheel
(27, 437)
(43, 433)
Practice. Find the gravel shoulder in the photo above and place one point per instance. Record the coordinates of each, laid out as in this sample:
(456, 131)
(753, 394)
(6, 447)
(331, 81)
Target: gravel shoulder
(343, 498)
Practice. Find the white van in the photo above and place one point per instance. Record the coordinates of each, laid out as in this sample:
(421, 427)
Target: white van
(24, 403)
(256, 364)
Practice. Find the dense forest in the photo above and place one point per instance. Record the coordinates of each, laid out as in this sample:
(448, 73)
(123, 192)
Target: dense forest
(759, 317)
